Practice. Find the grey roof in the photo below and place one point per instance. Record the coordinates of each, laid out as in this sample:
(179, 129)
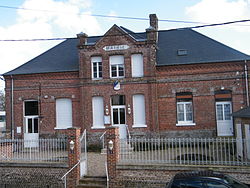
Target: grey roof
(243, 113)
(198, 48)
(192, 46)
(61, 58)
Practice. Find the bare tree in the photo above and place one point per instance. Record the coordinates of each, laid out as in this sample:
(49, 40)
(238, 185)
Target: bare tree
(2, 100)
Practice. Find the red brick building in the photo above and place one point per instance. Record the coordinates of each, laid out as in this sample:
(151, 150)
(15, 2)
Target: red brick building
(170, 83)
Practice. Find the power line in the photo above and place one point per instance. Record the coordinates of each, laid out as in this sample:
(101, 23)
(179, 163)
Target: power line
(104, 16)
(127, 33)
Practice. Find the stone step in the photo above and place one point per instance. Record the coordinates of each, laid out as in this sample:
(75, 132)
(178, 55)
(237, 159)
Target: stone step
(93, 182)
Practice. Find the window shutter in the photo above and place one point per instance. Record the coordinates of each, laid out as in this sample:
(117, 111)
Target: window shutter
(116, 60)
(98, 114)
(139, 110)
(63, 113)
(137, 65)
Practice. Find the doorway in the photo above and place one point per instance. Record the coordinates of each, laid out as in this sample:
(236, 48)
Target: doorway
(118, 111)
(224, 118)
(31, 124)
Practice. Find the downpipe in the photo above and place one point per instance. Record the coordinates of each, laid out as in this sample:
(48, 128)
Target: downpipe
(246, 82)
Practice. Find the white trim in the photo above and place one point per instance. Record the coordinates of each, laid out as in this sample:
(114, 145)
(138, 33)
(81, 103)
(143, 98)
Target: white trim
(139, 126)
(103, 127)
(97, 60)
(186, 124)
(58, 128)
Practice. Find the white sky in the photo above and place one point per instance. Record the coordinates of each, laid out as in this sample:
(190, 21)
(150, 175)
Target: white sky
(66, 18)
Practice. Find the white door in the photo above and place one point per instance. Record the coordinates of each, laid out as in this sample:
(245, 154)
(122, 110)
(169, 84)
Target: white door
(31, 132)
(224, 118)
(119, 119)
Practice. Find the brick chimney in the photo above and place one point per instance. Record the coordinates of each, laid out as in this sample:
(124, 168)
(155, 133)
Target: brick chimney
(82, 38)
(152, 31)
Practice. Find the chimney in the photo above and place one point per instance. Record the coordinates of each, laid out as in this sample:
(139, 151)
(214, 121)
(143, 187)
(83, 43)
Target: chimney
(82, 38)
(152, 31)
(153, 21)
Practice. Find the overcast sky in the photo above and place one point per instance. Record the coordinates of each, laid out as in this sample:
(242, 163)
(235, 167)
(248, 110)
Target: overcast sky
(66, 18)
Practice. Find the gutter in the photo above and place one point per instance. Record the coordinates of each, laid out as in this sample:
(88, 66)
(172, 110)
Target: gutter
(12, 108)
(246, 82)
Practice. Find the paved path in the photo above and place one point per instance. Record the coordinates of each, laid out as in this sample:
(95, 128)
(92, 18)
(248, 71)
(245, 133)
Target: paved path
(96, 164)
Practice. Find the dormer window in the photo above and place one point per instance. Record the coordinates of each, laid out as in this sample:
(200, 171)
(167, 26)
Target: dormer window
(117, 66)
(96, 63)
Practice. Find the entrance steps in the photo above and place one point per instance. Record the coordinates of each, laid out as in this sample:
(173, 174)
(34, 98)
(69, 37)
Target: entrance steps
(93, 182)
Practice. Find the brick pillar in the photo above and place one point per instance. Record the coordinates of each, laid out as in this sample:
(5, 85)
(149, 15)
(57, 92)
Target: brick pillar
(112, 134)
(73, 177)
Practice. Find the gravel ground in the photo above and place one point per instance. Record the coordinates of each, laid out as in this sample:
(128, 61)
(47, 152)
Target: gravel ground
(96, 164)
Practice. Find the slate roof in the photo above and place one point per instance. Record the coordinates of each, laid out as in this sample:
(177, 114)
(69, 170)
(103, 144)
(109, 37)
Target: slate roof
(192, 46)
(243, 113)
(199, 48)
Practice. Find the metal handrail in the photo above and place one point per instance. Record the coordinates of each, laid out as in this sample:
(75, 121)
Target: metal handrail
(102, 138)
(65, 175)
(107, 174)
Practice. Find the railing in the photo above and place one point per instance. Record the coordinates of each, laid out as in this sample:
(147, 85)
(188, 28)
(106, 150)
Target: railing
(102, 138)
(187, 151)
(107, 174)
(64, 177)
(40, 150)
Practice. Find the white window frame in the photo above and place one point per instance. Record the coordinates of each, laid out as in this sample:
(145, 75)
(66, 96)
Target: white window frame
(137, 65)
(114, 63)
(185, 122)
(137, 110)
(100, 113)
(98, 61)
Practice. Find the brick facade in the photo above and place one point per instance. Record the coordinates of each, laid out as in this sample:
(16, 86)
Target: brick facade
(159, 85)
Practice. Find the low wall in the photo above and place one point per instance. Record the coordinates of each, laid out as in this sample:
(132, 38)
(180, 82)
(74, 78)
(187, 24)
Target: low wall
(158, 175)
(32, 175)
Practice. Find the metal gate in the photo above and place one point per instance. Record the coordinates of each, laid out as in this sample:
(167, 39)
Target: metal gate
(83, 157)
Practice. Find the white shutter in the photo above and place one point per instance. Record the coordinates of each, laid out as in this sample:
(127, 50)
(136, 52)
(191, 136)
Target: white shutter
(116, 60)
(137, 65)
(139, 111)
(63, 113)
(96, 59)
(98, 114)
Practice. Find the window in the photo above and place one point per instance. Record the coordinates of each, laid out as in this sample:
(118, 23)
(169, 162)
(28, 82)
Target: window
(116, 66)
(63, 113)
(98, 112)
(184, 109)
(139, 111)
(137, 65)
(96, 63)
(31, 108)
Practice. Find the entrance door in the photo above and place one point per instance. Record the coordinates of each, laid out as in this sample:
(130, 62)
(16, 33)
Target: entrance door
(224, 118)
(31, 134)
(119, 114)
(31, 127)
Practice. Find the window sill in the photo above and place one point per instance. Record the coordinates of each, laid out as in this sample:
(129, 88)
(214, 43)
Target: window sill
(98, 127)
(61, 128)
(139, 126)
(185, 124)
(96, 79)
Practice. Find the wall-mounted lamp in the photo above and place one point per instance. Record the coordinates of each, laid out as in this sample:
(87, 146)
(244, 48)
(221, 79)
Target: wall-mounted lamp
(46, 96)
(222, 88)
(110, 145)
(129, 109)
(107, 110)
(71, 145)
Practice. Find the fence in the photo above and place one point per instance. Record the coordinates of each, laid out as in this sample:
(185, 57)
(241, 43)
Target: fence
(41, 150)
(186, 151)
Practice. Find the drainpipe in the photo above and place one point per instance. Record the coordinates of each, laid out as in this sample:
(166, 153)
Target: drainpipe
(246, 81)
(12, 108)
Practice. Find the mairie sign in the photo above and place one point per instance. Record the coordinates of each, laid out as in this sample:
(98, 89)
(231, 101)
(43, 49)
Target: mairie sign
(115, 47)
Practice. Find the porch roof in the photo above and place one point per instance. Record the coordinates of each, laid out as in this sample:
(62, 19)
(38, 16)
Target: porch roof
(243, 113)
